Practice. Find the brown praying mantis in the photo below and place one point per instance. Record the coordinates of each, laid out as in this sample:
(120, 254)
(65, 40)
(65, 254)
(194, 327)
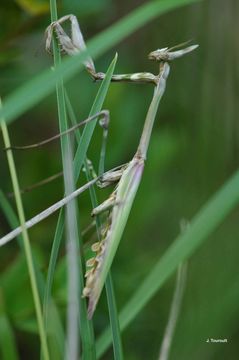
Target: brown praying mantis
(128, 176)
(120, 201)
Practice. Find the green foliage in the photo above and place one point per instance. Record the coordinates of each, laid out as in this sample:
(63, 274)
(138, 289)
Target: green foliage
(192, 154)
(8, 343)
(34, 7)
(182, 248)
(36, 89)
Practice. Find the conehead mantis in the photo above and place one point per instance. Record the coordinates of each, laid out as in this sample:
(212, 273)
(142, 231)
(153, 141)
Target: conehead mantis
(120, 201)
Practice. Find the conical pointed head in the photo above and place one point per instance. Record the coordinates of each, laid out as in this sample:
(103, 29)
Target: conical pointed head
(165, 54)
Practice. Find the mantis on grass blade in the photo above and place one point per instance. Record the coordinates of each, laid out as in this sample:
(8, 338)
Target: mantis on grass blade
(122, 198)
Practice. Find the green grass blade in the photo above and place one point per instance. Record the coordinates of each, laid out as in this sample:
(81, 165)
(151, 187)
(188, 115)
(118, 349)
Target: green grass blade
(36, 89)
(10, 215)
(7, 340)
(174, 312)
(202, 225)
(89, 128)
(51, 269)
(13, 222)
(72, 231)
(57, 333)
(112, 308)
(125, 195)
(26, 242)
(117, 343)
(79, 159)
(114, 318)
(85, 139)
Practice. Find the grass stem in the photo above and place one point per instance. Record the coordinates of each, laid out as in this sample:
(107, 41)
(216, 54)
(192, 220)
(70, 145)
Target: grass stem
(26, 242)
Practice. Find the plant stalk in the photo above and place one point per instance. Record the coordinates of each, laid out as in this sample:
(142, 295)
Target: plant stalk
(26, 242)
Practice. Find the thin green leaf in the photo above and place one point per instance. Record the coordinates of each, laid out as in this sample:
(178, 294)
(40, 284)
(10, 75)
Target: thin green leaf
(124, 198)
(89, 128)
(79, 159)
(114, 318)
(36, 89)
(56, 334)
(202, 225)
(51, 269)
(74, 267)
(7, 339)
(174, 312)
(113, 313)
(26, 241)
(10, 215)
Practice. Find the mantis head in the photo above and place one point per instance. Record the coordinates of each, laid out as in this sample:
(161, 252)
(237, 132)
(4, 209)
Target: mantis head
(165, 54)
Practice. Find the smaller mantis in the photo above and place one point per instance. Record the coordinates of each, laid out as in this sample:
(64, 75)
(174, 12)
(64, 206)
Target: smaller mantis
(129, 176)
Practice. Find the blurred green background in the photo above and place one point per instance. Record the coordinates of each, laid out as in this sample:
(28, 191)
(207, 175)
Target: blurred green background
(194, 149)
